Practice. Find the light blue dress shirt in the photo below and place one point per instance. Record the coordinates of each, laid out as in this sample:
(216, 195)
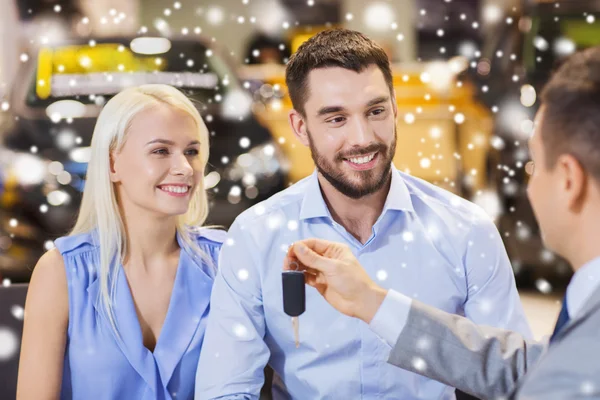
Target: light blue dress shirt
(428, 244)
(583, 284)
(100, 365)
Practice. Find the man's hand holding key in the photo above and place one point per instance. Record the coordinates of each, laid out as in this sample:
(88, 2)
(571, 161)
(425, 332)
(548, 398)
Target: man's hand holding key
(334, 271)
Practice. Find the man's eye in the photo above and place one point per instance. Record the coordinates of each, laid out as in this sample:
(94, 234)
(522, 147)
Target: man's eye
(378, 111)
(337, 120)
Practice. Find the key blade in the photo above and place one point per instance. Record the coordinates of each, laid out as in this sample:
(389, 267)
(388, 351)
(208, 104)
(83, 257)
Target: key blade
(296, 326)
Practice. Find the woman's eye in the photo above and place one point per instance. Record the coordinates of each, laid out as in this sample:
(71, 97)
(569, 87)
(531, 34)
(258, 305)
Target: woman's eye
(192, 152)
(161, 151)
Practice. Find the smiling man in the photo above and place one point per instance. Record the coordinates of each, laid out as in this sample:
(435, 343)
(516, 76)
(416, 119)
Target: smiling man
(447, 253)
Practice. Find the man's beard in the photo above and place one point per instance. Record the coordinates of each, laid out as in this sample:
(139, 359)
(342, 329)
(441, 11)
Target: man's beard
(371, 180)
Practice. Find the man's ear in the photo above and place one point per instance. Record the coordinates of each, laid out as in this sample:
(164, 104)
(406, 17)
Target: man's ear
(299, 127)
(394, 105)
(114, 176)
(574, 180)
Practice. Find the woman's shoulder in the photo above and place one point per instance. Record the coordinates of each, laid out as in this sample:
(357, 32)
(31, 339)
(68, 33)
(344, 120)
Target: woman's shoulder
(76, 243)
(208, 236)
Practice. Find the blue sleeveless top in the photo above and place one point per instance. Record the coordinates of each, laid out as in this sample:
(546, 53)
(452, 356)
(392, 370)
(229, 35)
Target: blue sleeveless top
(101, 365)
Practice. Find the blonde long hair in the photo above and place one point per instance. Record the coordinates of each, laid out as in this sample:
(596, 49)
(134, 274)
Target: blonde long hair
(99, 211)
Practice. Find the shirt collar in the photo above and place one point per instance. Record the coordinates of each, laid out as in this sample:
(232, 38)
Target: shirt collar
(582, 286)
(314, 206)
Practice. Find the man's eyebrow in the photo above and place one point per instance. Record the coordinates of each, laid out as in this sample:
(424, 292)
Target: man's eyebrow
(378, 100)
(328, 110)
(170, 142)
(333, 109)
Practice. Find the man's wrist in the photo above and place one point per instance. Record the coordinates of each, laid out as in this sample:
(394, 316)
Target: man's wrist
(371, 302)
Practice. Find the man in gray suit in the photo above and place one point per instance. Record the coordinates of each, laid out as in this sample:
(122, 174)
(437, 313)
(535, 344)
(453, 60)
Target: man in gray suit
(491, 363)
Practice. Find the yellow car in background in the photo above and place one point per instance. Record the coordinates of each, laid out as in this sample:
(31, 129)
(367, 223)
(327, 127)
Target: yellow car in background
(46, 148)
(443, 132)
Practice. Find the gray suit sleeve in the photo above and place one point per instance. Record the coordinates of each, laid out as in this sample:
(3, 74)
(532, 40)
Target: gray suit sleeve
(480, 360)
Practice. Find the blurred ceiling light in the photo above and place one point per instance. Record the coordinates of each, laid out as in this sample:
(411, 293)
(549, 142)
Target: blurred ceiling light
(484, 67)
(65, 139)
(215, 15)
(525, 24)
(29, 169)
(85, 62)
(237, 104)
(528, 95)
(58, 197)
(510, 117)
(269, 150)
(271, 15)
(492, 13)
(150, 45)
(9, 342)
(276, 105)
(245, 160)
(458, 64)
(55, 167)
(162, 26)
(379, 16)
(211, 180)
(49, 29)
(81, 154)
(435, 132)
(439, 75)
(64, 178)
(497, 142)
(564, 46)
(527, 127)
(540, 43)
(65, 109)
(467, 49)
(490, 202)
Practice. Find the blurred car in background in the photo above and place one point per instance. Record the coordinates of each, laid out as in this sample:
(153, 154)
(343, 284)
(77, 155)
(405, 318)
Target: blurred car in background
(54, 109)
(516, 63)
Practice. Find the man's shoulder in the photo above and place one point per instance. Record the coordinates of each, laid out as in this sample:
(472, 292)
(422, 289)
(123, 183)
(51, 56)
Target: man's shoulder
(430, 195)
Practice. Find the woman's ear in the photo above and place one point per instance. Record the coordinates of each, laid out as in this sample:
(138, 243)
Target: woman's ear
(114, 176)
(299, 127)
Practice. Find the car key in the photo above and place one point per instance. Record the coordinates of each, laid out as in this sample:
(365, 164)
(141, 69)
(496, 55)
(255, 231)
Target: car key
(294, 297)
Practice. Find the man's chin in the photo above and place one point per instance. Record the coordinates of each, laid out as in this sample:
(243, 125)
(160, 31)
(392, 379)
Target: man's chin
(353, 183)
(358, 188)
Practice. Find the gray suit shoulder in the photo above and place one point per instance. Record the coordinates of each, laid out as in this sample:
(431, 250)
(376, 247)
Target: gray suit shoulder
(570, 369)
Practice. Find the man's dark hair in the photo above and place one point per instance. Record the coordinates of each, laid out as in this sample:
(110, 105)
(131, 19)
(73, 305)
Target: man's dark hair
(333, 48)
(571, 120)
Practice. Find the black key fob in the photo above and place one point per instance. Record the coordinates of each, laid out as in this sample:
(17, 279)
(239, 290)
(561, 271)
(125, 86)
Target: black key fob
(294, 293)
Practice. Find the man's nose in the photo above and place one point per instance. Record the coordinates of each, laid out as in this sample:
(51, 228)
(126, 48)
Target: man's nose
(360, 133)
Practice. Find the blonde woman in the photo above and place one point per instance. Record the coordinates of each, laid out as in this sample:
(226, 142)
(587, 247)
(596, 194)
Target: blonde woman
(118, 309)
